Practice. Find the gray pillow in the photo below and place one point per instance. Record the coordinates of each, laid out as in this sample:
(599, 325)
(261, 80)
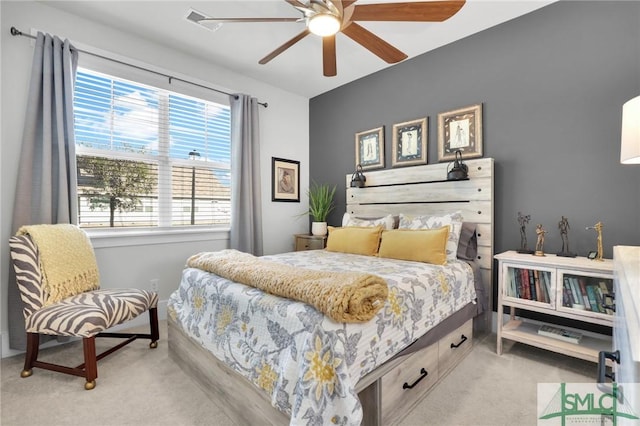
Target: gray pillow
(468, 243)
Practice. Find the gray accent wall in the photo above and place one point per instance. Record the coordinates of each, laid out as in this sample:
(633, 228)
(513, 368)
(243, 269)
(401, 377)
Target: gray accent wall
(552, 84)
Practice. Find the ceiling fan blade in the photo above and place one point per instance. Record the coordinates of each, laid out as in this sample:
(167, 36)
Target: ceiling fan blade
(233, 20)
(425, 11)
(329, 68)
(284, 47)
(320, 5)
(306, 10)
(334, 7)
(296, 3)
(347, 3)
(373, 43)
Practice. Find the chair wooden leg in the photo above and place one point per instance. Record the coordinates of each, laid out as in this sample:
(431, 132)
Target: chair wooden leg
(30, 357)
(155, 331)
(90, 362)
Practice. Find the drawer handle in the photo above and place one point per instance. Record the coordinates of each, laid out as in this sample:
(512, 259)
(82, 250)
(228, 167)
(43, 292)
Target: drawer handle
(463, 339)
(423, 373)
(602, 364)
(602, 368)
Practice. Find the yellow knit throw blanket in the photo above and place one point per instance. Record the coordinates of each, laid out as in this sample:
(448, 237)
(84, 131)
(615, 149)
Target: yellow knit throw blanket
(67, 261)
(342, 296)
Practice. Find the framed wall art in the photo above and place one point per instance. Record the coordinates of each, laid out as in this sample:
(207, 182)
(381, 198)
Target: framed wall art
(460, 129)
(285, 180)
(370, 148)
(410, 143)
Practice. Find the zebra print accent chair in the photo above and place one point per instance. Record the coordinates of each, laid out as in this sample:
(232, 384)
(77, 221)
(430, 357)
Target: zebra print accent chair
(85, 315)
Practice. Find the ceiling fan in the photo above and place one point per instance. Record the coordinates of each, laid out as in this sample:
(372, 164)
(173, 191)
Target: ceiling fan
(328, 17)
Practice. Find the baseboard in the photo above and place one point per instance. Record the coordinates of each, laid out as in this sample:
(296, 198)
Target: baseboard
(140, 320)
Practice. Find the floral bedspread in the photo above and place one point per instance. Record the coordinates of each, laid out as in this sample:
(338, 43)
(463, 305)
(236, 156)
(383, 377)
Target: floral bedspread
(307, 363)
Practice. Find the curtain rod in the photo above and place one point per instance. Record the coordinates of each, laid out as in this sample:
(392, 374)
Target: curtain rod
(17, 32)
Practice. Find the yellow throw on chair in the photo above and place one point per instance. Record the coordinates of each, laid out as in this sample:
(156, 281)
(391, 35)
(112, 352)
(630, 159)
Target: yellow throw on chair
(69, 302)
(67, 260)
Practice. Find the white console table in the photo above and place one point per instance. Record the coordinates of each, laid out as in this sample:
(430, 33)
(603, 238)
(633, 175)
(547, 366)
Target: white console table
(626, 327)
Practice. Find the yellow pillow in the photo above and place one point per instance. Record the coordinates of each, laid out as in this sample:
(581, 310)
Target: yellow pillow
(423, 245)
(354, 239)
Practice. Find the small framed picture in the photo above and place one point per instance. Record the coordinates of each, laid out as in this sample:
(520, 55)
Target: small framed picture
(285, 180)
(461, 130)
(370, 148)
(410, 143)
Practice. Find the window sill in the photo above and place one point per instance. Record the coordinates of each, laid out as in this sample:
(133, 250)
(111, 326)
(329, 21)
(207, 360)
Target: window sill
(106, 238)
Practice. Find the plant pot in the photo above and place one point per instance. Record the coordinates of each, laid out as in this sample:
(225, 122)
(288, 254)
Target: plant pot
(319, 228)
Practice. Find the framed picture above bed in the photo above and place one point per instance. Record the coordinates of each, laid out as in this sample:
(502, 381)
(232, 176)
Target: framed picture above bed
(370, 148)
(410, 143)
(460, 129)
(285, 180)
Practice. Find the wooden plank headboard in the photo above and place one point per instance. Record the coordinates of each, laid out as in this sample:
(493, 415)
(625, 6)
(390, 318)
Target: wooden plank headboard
(425, 190)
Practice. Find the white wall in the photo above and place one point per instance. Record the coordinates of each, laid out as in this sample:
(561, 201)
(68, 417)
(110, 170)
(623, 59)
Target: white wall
(159, 258)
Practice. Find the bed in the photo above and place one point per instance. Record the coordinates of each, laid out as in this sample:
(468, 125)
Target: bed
(252, 351)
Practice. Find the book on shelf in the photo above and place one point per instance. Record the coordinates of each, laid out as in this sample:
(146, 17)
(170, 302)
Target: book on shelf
(567, 293)
(567, 297)
(594, 299)
(514, 291)
(559, 333)
(582, 282)
(603, 287)
(526, 288)
(536, 280)
(541, 276)
(583, 291)
(577, 296)
(545, 277)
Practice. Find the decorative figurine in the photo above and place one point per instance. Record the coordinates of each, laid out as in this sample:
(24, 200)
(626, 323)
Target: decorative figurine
(523, 220)
(564, 229)
(597, 255)
(540, 243)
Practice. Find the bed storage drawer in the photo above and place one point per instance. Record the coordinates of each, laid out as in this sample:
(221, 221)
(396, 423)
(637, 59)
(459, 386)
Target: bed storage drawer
(407, 383)
(454, 346)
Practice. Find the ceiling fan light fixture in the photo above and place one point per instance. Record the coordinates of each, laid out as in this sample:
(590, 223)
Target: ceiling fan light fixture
(324, 24)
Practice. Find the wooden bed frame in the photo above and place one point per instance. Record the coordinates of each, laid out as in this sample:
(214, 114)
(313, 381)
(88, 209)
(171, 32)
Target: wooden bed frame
(388, 393)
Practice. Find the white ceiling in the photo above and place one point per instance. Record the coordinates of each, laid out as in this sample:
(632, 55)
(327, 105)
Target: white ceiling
(299, 69)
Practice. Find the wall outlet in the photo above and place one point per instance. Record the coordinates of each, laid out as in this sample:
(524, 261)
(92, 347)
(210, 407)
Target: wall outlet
(154, 284)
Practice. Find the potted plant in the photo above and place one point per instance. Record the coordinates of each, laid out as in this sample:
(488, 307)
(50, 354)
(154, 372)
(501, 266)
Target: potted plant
(320, 205)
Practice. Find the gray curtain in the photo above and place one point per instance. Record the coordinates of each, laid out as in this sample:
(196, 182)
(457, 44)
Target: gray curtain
(246, 210)
(46, 186)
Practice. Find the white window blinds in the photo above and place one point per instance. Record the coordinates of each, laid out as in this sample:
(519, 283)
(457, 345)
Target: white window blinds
(149, 157)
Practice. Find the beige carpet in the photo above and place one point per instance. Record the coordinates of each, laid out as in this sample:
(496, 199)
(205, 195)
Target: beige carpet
(140, 386)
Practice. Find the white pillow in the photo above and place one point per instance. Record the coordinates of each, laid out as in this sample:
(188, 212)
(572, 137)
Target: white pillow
(454, 220)
(386, 222)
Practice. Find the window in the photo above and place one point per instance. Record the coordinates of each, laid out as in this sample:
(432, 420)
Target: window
(148, 157)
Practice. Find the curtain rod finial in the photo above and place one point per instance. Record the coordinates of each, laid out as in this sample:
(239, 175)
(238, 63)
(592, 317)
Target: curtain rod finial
(15, 31)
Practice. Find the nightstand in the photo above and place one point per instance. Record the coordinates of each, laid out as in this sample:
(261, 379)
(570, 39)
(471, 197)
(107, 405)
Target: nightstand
(309, 242)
